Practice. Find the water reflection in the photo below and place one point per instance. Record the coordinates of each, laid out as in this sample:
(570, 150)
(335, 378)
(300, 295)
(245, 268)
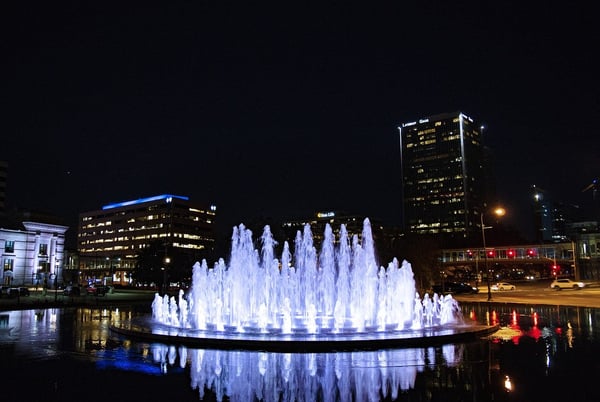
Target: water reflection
(266, 376)
(537, 349)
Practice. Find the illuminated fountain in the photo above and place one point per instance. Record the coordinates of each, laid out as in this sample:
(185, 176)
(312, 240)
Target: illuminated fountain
(338, 294)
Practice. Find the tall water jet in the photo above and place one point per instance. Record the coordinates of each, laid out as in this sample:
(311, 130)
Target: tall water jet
(340, 290)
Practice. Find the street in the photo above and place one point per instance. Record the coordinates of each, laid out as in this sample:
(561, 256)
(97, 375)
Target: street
(539, 292)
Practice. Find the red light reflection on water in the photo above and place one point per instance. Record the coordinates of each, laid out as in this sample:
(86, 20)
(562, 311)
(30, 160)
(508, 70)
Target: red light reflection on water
(514, 324)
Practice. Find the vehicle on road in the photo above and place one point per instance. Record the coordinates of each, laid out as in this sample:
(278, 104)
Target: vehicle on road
(501, 286)
(566, 283)
(454, 288)
(96, 290)
(71, 290)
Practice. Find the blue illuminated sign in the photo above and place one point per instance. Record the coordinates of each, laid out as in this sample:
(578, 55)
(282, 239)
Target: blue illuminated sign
(167, 197)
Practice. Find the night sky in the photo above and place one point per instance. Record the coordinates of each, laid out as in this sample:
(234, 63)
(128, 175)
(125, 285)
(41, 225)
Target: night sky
(282, 110)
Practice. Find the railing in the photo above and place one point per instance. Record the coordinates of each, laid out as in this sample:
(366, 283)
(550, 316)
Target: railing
(551, 253)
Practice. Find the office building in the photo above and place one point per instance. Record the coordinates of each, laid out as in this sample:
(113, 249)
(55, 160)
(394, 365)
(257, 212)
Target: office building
(445, 178)
(109, 240)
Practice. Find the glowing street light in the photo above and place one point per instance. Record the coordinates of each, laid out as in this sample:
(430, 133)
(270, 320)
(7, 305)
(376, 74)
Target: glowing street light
(166, 261)
(498, 211)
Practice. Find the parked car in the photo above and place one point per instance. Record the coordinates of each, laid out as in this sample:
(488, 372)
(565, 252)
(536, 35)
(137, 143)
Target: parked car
(72, 290)
(500, 286)
(566, 283)
(96, 290)
(454, 288)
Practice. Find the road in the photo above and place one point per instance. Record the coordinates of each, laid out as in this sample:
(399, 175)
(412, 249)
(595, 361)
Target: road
(539, 292)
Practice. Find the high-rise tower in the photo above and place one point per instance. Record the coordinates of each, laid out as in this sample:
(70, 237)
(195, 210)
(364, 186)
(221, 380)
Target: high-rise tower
(444, 181)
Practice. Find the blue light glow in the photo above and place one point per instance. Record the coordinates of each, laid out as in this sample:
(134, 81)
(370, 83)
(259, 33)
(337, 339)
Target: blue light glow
(167, 197)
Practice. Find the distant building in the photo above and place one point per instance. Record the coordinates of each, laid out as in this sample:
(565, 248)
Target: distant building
(318, 222)
(446, 177)
(554, 221)
(34, 256)
(110, 239)
(543, 215)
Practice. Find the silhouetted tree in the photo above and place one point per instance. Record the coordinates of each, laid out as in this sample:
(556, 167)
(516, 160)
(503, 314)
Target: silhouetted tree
(423, 253)
(149, 263)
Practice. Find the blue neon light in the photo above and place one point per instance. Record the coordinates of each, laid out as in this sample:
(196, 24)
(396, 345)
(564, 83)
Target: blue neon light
(166, 197)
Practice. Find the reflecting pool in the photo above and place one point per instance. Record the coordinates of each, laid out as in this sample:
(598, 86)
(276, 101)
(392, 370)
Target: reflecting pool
(541, 353)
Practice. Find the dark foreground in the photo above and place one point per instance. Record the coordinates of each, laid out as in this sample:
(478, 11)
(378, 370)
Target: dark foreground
(541, 352)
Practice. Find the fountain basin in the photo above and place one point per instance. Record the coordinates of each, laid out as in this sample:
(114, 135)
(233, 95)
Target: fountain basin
(338, 299)
(143, 330)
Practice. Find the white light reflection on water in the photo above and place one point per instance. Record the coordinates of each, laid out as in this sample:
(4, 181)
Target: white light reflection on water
(361, 375)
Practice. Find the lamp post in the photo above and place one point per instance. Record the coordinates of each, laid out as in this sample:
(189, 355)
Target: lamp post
(498, 212)
(167, 260)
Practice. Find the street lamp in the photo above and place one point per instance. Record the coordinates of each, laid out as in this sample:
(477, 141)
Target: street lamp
(498, 212)
(167, 260)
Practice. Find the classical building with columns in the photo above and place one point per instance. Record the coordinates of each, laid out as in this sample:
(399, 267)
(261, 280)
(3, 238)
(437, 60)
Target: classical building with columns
(33, 256)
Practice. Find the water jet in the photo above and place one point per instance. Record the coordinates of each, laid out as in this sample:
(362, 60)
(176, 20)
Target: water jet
(306, 300)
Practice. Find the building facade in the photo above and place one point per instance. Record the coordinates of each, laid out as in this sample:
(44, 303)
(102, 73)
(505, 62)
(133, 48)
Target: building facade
(445, 179)
(109, 240)
(335, 219)
(34, 256)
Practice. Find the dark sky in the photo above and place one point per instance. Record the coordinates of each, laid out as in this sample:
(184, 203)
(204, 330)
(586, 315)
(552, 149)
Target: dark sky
(285, 109)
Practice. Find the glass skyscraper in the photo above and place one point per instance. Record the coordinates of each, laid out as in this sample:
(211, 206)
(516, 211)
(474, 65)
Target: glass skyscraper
(444, 175)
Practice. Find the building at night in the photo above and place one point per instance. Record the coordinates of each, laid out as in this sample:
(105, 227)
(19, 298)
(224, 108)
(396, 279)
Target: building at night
(109, 240)
(335, 219)
(32, 256)
(446, 177)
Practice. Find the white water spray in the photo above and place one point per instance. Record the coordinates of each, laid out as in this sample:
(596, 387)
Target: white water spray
(339, 290)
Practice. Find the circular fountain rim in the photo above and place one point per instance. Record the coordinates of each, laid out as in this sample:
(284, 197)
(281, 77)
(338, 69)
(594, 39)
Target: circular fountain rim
(424, 337)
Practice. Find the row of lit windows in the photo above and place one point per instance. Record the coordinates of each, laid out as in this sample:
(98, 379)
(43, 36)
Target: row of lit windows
(143, 227)
(103, 222)
(438, 230)
(189, 246)
(157, 225)
(459, 223)
(447, 137)
(186, 236)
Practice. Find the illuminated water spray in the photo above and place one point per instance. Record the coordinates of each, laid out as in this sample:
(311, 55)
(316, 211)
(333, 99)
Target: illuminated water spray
(339, 290)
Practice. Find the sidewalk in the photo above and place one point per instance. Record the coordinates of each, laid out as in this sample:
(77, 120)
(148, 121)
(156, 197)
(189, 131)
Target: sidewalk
(56, 299)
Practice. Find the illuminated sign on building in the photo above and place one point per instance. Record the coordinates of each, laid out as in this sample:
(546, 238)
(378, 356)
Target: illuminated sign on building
(167, 197)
